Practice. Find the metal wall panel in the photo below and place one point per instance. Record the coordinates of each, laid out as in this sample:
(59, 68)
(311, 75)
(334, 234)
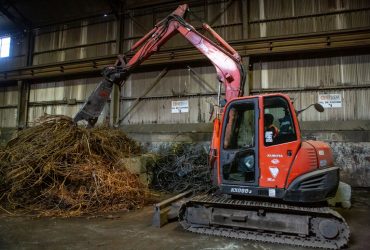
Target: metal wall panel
(8, 118)
(224, 16)
(302, 16)
(355, 105)
(44, 97)
(35, 112)
(57, 46)
(8, 97)
(312, 72)
(58, 43)
(177, 82)
(158, 111)
(343, 73)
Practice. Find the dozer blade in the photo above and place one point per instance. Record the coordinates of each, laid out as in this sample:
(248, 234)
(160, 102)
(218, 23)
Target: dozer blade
(169, 209)
(319, 227)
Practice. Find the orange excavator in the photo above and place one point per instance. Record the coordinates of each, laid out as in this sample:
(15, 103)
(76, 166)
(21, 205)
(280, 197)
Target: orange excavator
(271, 184)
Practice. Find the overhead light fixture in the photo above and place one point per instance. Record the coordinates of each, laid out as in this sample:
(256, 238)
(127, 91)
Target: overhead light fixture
(105, 15)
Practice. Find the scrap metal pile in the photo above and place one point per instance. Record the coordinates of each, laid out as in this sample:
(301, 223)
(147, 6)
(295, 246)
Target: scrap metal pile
(183, 167)
(58, 168)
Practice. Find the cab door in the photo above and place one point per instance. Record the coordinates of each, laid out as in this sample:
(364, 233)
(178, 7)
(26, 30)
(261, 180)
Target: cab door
(279, 140)
(239, 144)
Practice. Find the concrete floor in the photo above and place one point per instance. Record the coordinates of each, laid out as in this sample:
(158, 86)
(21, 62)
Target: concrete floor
(132, 230)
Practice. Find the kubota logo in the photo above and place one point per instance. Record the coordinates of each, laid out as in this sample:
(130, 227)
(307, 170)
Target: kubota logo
(275, 161)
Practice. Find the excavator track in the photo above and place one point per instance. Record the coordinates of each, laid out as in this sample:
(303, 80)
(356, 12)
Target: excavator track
(326, 228)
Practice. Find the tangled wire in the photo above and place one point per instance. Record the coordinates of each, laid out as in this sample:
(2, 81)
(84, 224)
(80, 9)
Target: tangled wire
(184, 167)
(58, 168)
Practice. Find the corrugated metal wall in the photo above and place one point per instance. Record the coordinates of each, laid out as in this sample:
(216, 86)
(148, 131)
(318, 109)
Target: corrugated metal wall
(52, 98)
(223, 16)
(156, 107)
(266, 18)
(8, 106)
(284, 17)
(302, 79)
(71, 43)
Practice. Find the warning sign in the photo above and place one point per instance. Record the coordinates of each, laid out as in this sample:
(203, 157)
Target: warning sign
(180, 106)
(330, 100)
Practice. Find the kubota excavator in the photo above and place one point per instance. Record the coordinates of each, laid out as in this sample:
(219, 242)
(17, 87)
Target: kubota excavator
(271, 184)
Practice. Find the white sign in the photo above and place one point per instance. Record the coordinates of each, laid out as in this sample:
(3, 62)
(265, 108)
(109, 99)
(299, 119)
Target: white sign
(330, 100)
(272, 192)
(274, 171)
(180, 106)
(268, 136)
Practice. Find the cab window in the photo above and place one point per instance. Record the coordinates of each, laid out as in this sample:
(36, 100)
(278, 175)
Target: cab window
(278, 121)
(240, 127)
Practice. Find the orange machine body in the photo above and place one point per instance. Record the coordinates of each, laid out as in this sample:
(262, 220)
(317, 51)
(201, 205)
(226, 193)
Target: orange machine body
(291, 160)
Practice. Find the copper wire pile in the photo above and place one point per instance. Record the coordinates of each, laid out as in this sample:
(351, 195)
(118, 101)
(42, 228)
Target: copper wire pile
(183, 167)
(58, 168)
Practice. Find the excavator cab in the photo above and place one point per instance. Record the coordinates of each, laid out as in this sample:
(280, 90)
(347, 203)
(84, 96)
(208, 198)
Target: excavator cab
(261, 152)
(250, 125)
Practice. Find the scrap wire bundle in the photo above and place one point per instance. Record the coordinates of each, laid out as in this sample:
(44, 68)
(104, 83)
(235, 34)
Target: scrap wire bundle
(57, 167)
(184, 167)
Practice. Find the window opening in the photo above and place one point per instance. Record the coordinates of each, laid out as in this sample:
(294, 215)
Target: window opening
(4, 46)
(278, 121)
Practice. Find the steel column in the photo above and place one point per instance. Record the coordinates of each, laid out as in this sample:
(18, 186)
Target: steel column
(115, 104)
(247, 87)
(245, 18)
(22, 107)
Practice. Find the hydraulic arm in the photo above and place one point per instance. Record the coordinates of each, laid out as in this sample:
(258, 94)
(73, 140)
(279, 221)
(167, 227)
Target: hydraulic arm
(225, 59)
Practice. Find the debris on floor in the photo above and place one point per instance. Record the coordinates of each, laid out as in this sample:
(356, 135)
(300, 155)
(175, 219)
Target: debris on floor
(58, 168)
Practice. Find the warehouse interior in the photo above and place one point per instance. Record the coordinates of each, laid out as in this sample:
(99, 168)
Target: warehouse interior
(51, 59)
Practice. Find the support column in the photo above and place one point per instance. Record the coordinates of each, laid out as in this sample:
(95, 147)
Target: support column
(245, 18)
(22, 108)
(249, 73)
(30, 47)
(24, 86)
(115, 103)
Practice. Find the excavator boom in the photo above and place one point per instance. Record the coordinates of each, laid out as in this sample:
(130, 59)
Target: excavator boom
(225, 59)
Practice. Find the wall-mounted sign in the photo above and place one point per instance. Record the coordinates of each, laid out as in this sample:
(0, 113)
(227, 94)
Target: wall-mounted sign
(330, 100)
(180, 106)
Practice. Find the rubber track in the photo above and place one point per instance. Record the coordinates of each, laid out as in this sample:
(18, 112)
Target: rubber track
(269, 237)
